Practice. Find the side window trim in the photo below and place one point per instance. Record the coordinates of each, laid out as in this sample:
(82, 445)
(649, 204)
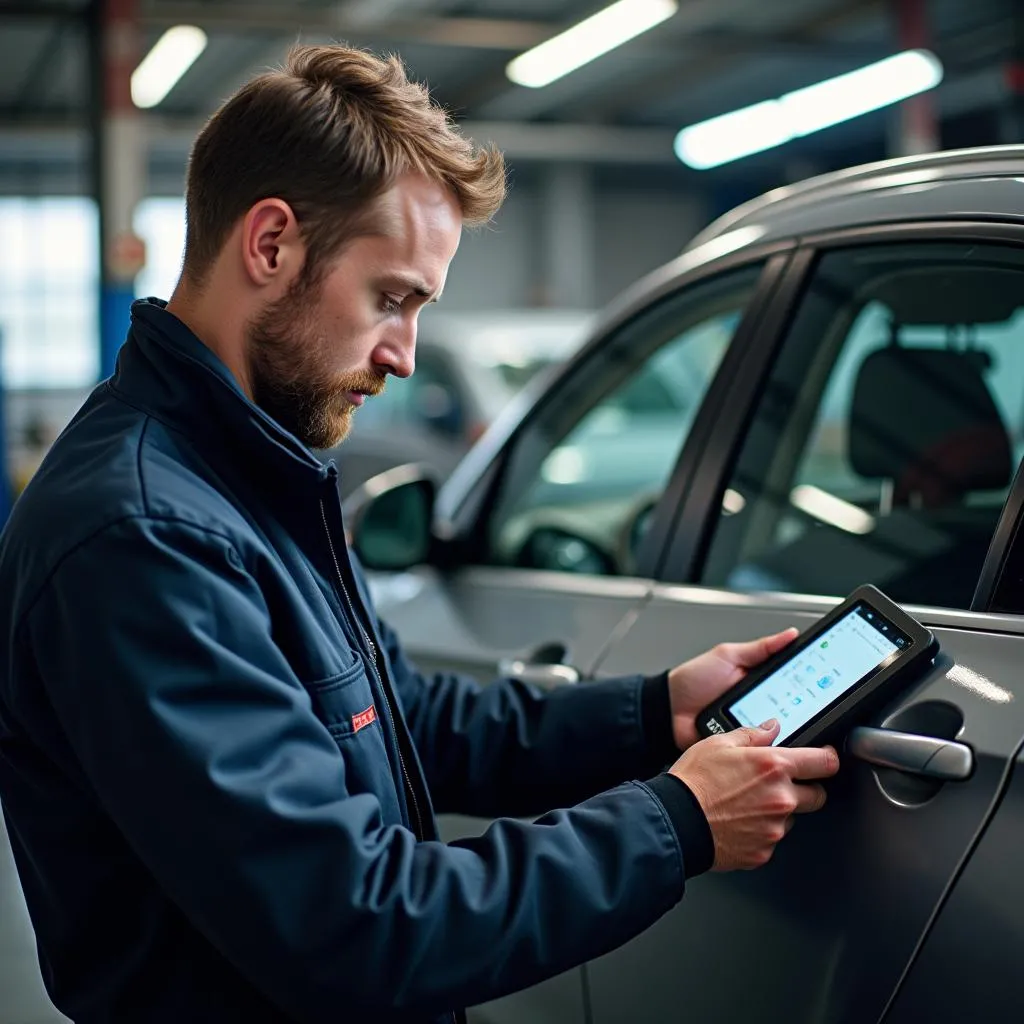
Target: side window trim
(1006, 549)
(694, 525)
(707, 464)
(654, 550)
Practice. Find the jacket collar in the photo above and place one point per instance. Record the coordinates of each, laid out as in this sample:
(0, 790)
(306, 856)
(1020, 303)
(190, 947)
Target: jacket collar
(167, 372)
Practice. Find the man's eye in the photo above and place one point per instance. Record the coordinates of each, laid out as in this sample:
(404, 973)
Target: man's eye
(390, 305)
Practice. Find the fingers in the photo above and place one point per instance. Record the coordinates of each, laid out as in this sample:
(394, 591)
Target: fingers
(811, 762)
(810, 797)
(763, 736)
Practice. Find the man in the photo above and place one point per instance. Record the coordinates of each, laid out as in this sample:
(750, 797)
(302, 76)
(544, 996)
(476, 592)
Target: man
(218, 768)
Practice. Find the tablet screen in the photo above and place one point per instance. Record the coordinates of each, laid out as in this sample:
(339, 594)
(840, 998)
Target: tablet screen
(820, 673)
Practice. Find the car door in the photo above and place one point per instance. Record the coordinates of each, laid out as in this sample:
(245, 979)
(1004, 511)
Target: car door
(881, 449)
(966, 965)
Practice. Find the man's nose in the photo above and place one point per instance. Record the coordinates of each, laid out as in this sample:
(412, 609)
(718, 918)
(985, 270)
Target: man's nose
(396, 354)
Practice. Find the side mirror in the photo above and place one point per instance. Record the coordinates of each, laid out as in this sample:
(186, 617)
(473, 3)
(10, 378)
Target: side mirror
(389, 518)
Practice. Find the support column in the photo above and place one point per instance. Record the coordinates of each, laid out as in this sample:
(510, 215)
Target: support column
(915, 127)
(568, 237)
(119, 166)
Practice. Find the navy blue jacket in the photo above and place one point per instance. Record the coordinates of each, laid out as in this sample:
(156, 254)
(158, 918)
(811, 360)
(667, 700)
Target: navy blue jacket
(219, 770)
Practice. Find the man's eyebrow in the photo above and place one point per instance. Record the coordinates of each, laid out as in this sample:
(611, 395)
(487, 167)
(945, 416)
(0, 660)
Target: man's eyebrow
(417, 286)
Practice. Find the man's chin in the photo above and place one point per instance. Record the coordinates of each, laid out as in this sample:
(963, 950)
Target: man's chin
(339, 429)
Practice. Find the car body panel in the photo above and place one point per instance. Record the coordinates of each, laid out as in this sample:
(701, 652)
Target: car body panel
(978, 929)
(470, 619)
(819, 943)
(963, 181)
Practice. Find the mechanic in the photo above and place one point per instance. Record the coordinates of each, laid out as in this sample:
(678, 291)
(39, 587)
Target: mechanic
(219, 770)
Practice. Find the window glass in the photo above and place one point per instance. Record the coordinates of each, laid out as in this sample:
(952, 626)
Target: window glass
(587, 472)
(160, 223)
(49, 278)
(885, 441)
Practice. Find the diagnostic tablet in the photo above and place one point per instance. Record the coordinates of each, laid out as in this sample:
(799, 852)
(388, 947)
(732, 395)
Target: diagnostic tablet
(837, 671)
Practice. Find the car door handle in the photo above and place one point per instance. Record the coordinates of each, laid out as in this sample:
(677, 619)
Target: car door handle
(927, 756)
(547, 675)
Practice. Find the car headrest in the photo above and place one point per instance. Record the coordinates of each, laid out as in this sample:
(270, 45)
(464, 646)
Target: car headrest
(925, 419)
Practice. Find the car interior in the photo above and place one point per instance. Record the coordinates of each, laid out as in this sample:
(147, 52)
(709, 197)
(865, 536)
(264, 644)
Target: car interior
(925, 441)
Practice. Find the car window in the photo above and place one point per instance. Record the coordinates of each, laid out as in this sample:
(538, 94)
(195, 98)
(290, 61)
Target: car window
(585, 474)
(884, 444)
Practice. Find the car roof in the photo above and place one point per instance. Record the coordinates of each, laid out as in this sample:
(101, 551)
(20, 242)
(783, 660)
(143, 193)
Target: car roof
(984, 183)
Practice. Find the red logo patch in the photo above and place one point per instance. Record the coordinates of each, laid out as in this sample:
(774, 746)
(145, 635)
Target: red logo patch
(364, 718)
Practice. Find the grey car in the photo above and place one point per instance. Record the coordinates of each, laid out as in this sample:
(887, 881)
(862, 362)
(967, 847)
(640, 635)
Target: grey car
(845, 362)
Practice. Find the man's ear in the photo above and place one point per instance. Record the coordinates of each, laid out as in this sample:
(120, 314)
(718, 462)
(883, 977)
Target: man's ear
(272, 247)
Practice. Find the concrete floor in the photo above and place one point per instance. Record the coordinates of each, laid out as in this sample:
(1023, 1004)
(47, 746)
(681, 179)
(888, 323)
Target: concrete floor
(23, 999)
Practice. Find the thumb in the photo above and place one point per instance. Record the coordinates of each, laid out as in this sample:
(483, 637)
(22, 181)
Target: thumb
(750, 653)
(763, 736)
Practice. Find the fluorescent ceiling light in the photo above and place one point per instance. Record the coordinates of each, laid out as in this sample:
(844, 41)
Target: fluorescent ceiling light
(588, 40)
(174, 53)
(773, 122)
(832, 510)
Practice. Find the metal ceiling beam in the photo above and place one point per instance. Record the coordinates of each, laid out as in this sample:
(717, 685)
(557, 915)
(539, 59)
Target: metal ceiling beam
(35, 79)
(41, 9)
(549, 143)
(481, 33)
(61, 140)
(58, 138)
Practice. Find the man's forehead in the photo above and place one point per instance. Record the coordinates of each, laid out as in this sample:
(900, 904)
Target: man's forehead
(414, 196)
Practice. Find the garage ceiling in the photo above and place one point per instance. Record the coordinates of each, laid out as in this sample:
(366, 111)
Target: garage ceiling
(711, 57)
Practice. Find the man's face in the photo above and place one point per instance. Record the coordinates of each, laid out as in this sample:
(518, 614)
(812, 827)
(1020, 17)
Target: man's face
(315, 355)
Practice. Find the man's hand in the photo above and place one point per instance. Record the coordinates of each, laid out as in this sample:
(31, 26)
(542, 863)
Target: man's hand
(693, 685)
(750, 790)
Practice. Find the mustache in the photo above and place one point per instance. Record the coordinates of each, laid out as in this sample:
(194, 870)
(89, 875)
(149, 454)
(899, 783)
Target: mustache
(366, 381)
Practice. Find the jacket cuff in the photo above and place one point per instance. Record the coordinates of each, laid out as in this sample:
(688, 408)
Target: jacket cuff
(688, 819)
(656, 719)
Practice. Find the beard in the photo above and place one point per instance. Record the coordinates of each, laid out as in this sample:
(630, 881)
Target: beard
(288, 375)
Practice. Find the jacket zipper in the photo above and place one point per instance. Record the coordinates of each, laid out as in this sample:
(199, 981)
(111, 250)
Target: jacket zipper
(454, 1015)
(386, 690)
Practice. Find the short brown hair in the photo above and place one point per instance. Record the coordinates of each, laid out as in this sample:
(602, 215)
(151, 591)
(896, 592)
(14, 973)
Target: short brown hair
(327, 133)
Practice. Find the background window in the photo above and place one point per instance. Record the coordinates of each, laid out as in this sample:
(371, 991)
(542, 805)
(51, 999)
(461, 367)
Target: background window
(49, 278)
(887, 436)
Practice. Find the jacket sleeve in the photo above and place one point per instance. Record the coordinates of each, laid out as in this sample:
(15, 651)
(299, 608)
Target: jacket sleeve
(511, 748)
(203, 748)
